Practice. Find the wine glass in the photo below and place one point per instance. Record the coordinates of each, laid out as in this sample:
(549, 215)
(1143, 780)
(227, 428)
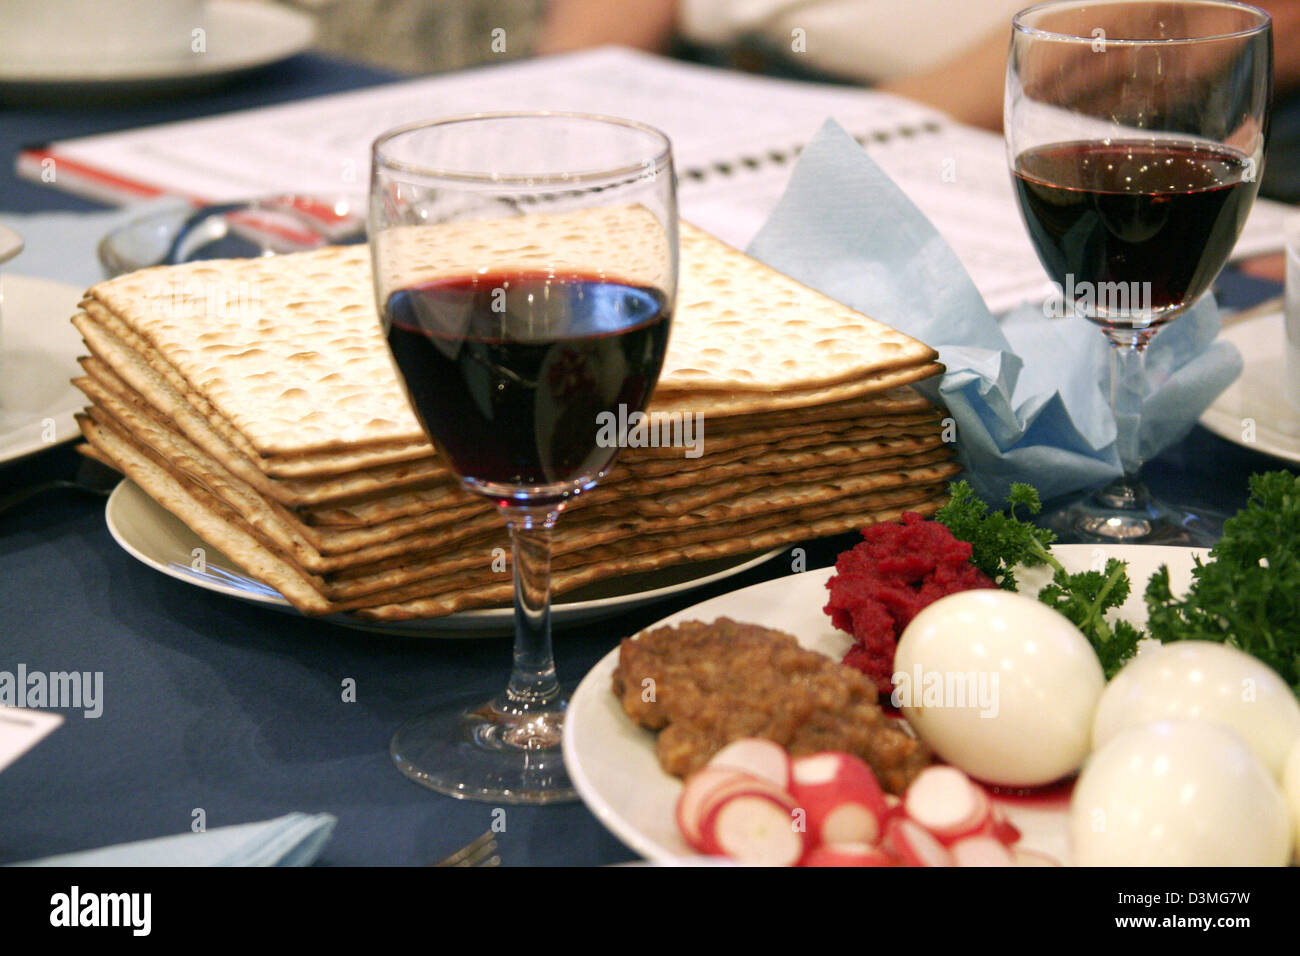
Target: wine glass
(1135, 133)
(525, 267)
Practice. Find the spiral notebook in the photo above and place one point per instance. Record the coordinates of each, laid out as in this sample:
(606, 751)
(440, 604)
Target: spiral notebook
(735, 139)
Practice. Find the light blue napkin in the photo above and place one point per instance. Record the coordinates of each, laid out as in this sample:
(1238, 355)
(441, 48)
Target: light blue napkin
(1029, 394)
(62, 245)
(292, 840)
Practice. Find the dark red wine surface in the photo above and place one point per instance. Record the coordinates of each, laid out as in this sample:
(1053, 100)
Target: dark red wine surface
(1134, 212)
(510, 372)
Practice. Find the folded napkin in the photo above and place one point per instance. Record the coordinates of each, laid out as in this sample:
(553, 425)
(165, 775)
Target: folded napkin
(1029, 394)
(292, 840)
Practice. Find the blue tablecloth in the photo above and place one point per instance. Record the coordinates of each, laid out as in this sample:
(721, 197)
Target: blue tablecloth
(213, 705)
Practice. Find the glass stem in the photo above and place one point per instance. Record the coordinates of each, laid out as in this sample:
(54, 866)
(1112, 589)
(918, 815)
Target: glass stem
(533, 683)
(1127, 390)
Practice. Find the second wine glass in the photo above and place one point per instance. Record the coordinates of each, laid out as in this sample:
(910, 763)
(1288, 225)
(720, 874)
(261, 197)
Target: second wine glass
(1136, 135)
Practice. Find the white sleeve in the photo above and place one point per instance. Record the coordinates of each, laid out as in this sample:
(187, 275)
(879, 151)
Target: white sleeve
(867, 40)
(719, 21)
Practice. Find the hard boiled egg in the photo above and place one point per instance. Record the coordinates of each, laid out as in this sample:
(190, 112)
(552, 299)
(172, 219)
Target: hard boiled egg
(1204, 681)
(999, 685)
(1291, 789)
(1178, 793)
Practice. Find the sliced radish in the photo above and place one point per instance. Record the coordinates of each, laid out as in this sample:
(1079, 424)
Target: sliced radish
(741, 783)
(765, 759)
(692, 802)
(947, 803)
(848, 854)
(1023, 857)
(1002, 828)
(893, 807)
(754, 827)
(840, 797)
(914, 845)
(980, 851)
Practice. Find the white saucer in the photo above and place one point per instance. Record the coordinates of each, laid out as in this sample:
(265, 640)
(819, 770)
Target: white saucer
(1253, 412)
(38, 359)
(240, 36)
(157, 538)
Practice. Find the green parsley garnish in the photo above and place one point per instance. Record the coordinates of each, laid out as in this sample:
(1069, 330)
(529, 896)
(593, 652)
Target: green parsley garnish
(1248, 594)
(1000, 542)
(1085, 598)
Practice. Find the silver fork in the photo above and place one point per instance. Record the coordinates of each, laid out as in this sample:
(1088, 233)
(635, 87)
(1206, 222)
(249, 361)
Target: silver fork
(479, 852)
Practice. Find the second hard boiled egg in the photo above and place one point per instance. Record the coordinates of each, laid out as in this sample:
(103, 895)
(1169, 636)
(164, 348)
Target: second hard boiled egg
(1202, 680)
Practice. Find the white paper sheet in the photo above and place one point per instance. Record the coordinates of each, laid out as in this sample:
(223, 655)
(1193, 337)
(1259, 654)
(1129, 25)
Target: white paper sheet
(735, 138)
(22, 729)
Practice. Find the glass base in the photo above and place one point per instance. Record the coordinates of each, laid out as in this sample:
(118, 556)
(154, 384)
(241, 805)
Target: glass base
(474, 750)
(1127, 514)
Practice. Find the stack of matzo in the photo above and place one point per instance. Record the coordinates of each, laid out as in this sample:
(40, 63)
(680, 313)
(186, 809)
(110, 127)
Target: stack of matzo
(256, 401)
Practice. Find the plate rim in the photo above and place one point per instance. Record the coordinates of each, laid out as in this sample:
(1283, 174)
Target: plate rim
(1219, 421)
(599, 673)
(65, 419)
(477, 619)
(293, 31)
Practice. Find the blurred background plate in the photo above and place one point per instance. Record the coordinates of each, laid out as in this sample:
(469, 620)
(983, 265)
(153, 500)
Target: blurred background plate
(1253, 411)
(239, 37)
(38, 360)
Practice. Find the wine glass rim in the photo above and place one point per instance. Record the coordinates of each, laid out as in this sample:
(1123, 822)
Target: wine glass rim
(1263, 21)
(657, 160)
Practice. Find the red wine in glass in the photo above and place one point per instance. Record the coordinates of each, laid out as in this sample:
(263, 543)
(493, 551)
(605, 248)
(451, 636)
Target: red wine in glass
(1160, 218)
(1136, 133)
(517, 359)
(512, 372)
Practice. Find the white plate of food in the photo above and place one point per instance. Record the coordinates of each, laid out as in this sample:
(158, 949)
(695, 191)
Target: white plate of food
(38, 360)
(613, 764)
(1253, 411)
(154, 536)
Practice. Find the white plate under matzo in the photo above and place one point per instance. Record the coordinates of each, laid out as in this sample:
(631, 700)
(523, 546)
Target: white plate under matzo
(154, 536)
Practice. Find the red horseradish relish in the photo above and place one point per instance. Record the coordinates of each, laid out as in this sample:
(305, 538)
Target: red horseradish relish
(883, 582)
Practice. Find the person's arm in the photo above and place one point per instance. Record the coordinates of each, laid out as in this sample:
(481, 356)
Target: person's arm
(1286, 41)
(578, 24)
(968, 87)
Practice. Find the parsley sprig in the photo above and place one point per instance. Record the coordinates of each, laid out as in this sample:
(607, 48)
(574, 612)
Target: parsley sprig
(999, 542)
(1085, 598)
(1002, 541)
(1248, 593)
